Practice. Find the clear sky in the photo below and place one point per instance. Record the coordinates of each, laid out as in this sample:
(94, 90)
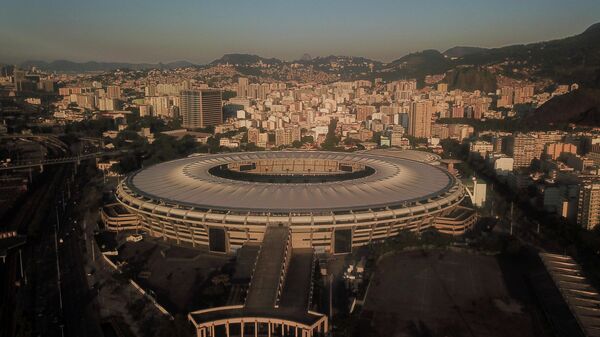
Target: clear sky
(203, 30)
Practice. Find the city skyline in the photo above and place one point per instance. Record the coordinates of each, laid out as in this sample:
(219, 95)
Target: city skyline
(299, 169)
(202, 32)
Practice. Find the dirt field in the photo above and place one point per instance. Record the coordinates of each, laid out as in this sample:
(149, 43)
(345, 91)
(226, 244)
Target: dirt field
(442, 293)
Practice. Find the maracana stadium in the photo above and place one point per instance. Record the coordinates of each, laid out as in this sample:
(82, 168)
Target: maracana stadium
(330, 201)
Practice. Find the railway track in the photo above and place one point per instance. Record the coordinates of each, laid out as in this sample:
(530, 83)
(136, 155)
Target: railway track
(18, 297)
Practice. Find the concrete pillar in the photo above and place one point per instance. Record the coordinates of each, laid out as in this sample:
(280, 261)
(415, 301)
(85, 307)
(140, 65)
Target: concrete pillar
(212, 330)
(227, 329)
(296, 331)
(242, 329)
(255, 328)
(269, 328)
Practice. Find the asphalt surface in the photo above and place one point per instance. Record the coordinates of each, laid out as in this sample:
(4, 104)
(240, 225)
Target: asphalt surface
(79, 314)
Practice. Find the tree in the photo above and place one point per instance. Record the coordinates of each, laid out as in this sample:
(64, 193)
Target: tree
(351, 141)
(227, 94)
(331, 140)
(376, 137)
(308, 139)
(126, 164)
(454, 149)
(253, 147)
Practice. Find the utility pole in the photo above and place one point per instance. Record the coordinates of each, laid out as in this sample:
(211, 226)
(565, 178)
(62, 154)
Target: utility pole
(57, 221)
(58, 265)
(23, 276)
(58, 283)
(512, 206)
(331, 296)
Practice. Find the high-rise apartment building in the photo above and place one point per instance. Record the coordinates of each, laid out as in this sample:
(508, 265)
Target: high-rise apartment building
(253, 134)
(161, 106)
(363, 112)
(171, 89)
(242, 89)
(594, 154)
(588, 205)
(150, 90)
(555, 150)
(201, 108)
(287, 136)
(458, 111)
(107, 104)
(523, 149)
(113, 91)
(419, 122)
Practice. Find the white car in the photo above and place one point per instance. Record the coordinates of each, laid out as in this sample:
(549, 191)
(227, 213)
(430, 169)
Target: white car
(134, 238)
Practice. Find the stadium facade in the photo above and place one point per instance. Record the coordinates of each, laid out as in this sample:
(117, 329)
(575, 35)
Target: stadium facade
(330, 201)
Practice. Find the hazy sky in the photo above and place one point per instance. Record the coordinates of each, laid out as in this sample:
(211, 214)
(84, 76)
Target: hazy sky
(203, 30)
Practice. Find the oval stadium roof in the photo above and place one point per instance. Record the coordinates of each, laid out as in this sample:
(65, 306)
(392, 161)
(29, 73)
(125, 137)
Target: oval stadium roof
(188, 182)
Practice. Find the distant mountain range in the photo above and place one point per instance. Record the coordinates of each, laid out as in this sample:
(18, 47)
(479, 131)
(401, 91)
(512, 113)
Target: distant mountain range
(92, 66)
(568, 60)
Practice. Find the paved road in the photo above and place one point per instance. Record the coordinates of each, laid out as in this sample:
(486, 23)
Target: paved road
(79, 314)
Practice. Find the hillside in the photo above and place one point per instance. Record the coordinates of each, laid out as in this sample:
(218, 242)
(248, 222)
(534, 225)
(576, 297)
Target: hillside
(463, 51)
(342, 60)
(417, 65)
(431, 61)
(244, 60)
(471, 79)
(581, 107)
(573, 59)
